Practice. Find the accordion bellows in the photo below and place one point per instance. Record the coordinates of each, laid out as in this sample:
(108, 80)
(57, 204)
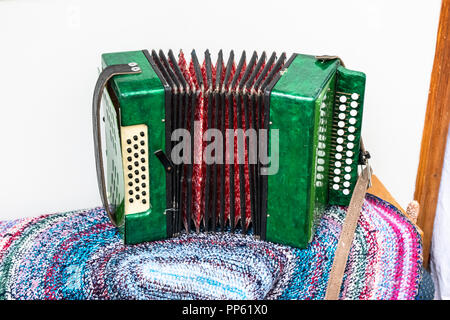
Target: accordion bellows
(306, 117)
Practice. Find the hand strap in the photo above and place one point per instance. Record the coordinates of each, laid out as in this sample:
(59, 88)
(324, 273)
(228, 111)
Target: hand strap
(348, 233)
(102, 81)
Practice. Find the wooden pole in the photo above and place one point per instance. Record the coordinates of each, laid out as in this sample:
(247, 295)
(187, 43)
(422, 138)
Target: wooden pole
(435, 132)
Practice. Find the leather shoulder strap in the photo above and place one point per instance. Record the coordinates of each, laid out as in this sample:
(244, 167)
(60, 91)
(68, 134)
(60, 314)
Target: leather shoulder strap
(347, 235)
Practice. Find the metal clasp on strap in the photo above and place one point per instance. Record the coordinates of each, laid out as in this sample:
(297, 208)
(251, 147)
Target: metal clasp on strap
(364, 157)
(328, 58)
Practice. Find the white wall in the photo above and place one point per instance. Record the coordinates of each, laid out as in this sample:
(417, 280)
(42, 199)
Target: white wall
(50, 50)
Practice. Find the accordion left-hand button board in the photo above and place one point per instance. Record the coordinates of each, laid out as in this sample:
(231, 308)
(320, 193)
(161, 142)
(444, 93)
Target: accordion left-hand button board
(135, 164)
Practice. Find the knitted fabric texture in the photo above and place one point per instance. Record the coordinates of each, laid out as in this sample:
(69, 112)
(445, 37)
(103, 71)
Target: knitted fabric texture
(80, 255)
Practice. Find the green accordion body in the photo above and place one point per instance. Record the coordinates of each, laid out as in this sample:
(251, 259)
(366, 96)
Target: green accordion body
(306, 113)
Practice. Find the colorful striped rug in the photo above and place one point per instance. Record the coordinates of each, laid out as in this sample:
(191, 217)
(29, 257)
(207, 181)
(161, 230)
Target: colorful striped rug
(79, 255)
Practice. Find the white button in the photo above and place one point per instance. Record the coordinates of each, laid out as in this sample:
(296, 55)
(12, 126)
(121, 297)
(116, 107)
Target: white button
(342, 107)
(351, 129)
(339, 140)
(336, 179)
(354, 104)
(348, 161)
(320, 161)
(351, 137)
(335, 186)
(353, 113)
(349, 154)
(341, 124)
(343, 99)
(340, 132)
(342, 116)
(352, 120)
(337, 164)
(350, 145)
(339, 148)
(347, 177)
(355, 96)
(337, 171)
(346, 184)
(338, 156)
(346, 191)
(348, 169)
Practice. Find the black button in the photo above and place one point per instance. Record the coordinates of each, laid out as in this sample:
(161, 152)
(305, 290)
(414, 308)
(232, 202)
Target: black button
(135, 138)
(129, 150)
(129, 141)
(130, 167)
(131, 200)
(143, 176)
(136, 172)
(143, 168)
(138, 197)
(129, 158)
(142, 142)
(144, 201)
(135, 146)
(142, 151)
(136, 155)
(136, 180)
(130, 192)
(142, 133)
(130, 175)
(130, 183)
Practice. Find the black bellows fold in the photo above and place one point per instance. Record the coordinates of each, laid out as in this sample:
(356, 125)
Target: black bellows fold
(207, 101)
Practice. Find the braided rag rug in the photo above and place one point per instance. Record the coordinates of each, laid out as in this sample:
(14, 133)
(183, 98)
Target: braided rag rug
(80, 255)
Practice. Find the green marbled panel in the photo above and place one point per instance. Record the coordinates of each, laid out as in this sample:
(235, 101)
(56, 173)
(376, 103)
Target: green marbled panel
(348, 82)
(293, 111)
(141, 100)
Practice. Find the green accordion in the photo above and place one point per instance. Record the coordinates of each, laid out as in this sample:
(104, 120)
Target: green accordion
(259, 145)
